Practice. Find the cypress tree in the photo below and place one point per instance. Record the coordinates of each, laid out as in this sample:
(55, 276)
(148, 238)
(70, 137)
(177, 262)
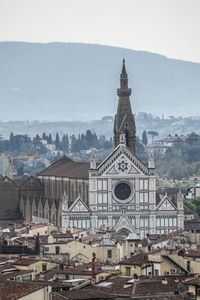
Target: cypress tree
(144, 138)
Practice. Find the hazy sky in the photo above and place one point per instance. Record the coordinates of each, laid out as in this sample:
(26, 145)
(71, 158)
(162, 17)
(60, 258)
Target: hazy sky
(169, 27)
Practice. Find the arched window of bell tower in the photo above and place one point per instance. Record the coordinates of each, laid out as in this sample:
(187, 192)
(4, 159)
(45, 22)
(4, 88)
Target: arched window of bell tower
(127, 137)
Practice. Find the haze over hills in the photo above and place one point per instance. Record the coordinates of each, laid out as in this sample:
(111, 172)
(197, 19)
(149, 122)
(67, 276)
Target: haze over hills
(66, 81)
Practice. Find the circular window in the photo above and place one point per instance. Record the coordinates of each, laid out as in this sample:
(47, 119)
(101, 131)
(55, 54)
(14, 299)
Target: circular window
(122, 191)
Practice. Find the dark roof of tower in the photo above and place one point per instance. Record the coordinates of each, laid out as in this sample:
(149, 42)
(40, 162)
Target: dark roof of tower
(123, 73)
(124, 119)
(66, 167)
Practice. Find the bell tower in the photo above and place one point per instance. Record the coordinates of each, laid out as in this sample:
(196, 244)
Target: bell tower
(124, 119)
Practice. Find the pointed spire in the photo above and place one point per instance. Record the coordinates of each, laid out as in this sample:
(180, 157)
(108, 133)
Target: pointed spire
(123, 73)
(64, 202)
(93, 162)
(179, 196)
(180, 200)
(124, 119)
(151, 160)
(124, 80)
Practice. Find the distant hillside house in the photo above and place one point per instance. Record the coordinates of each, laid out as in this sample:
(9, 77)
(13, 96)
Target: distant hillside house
(193, 192)
(163, 144)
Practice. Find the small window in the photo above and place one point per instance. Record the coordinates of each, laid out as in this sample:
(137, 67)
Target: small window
(44, 267)
(128, 271)
(57, 250)
(109, 254)
(27, 277)
(17, 278)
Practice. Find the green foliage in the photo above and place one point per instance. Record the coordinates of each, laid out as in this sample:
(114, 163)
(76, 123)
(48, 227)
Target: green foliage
(182, 160)
(141, 151)
(89, 140)
(144, 138)
(153, 134)
(162, 183)
(184, 186)
(193, 204)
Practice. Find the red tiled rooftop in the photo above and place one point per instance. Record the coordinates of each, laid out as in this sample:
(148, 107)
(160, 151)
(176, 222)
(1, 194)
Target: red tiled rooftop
(25, 262)
(85, 269)
(193, 253)
(12, 290)
(83, 294)
(144, 286)
(62, 235)
(138, 259)
(65, 167)
(35, 226)
(48, 274)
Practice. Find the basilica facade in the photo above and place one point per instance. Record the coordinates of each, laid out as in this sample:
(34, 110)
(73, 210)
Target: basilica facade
(119, 193)
(122, 189)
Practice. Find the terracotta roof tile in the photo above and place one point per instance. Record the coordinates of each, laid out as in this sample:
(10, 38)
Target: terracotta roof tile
(25, 262)
(66, 167)
(66, 235)
(86, 293)
(193, 253)
(85, 269)
(12, 290)
(138, 259)
(144, 286)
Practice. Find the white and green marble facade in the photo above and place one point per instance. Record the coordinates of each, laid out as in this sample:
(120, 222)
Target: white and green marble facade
(137, 212)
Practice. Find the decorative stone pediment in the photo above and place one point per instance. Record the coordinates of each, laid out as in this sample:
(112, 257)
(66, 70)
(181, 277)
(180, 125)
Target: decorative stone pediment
(123, 163)
(166, 204)
(79, 206)
(112, 171)
(133, 170)
(124, 223)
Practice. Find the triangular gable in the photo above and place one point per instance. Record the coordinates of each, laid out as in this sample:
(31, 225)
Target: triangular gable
(133, 170)
(31, 182)
(125, 121)
(79, 206)
(112, 170)
(114, 163)
(122, 165)
(165, 204)
(124, 223)
(79, 256)
(8, 180)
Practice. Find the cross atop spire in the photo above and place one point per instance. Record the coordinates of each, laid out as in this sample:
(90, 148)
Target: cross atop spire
(124, 79)
(124, 127)
(123, 73)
